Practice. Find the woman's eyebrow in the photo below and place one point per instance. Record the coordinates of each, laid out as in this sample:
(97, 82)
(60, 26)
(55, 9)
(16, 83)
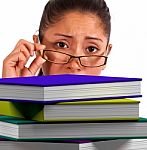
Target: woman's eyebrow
(87, 37)
(93, 38)
(59, 34)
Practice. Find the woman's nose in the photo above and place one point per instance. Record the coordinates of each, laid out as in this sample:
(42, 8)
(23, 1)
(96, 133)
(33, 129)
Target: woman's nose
(74, 64)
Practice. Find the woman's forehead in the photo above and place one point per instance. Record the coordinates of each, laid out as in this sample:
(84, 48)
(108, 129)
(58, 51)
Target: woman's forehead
(78, 24)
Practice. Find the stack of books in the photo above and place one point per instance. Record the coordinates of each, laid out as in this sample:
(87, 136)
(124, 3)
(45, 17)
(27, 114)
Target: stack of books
(69, 109)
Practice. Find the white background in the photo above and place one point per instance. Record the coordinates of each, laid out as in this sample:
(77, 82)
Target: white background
(19, 19)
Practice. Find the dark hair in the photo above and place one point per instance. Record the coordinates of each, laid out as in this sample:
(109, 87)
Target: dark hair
(55, 10)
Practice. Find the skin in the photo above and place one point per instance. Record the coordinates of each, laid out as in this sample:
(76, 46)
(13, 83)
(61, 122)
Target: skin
(76, 33)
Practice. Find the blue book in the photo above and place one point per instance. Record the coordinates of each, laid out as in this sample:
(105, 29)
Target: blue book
(65, 87)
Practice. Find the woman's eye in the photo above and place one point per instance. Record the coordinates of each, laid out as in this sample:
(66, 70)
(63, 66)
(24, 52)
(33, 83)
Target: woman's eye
(61, 45)
(92, 49)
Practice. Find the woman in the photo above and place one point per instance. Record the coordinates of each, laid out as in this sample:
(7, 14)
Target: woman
(73, 39)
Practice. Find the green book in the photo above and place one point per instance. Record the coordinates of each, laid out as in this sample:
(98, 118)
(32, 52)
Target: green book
(28, 130)
(115, 109)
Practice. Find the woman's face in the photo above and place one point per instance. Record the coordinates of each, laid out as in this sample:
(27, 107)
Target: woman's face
(76, 34)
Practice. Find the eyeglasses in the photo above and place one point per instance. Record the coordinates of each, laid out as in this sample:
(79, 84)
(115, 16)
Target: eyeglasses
(58, 57)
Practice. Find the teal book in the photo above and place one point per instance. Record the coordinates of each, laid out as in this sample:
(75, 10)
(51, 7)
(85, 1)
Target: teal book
(68, 87)
(28, 130)
(96, 110)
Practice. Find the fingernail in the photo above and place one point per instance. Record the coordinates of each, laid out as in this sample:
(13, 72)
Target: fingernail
(32, 54)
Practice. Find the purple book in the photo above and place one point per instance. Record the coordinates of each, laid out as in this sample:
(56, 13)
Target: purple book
(68, 87)
(1, 139)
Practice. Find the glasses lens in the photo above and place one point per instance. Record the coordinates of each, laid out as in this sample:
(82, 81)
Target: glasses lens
(93, 61)
(56, 57)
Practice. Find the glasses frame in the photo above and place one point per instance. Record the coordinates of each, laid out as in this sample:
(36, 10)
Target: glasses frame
(71, 56)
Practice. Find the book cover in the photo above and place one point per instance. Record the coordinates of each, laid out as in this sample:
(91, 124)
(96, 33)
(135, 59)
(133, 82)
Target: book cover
(64, 79)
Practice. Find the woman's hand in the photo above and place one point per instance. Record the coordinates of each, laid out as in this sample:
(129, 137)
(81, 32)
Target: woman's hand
(14, 63)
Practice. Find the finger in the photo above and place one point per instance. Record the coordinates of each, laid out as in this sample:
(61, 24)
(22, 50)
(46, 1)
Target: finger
(22, 60)
(14, 59)
(30, 46)
(25, 72)
(24, 50)
(35, 65)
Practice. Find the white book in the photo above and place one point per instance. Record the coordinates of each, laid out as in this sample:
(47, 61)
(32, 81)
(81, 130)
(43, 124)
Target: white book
(121, 144)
